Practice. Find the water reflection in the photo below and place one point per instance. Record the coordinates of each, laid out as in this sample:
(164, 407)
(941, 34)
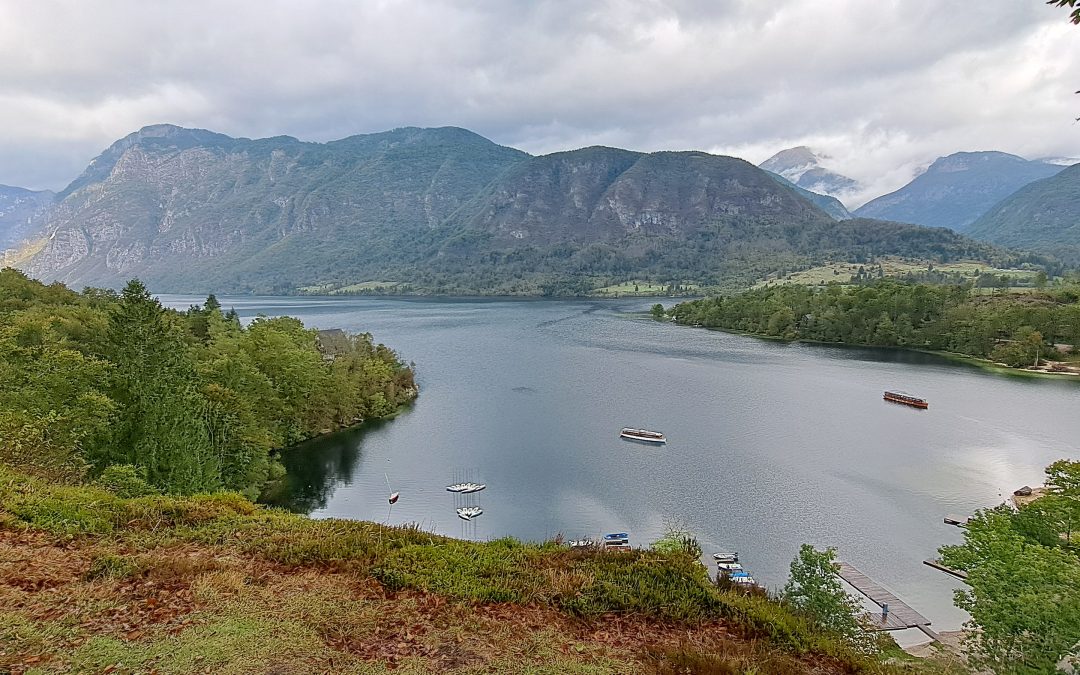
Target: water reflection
(316, 468)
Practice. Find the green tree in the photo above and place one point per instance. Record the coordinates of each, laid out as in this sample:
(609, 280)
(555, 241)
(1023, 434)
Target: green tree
(657, 311)
(1074, 15)
(814, 589)
(1021, 594)
(161, 428)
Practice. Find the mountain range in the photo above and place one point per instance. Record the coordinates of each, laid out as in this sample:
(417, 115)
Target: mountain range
(956, 190)
(440, 210)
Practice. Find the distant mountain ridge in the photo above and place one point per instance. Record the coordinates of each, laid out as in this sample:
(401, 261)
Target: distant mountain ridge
(21, 212)
(804, 168)
(1043, 216)
(439, 210)
(956, 190)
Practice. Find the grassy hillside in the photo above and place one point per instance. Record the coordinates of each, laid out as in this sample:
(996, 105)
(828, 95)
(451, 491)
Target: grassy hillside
(216, 584)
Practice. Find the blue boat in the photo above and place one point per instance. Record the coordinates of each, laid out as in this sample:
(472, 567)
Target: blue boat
(618, 535)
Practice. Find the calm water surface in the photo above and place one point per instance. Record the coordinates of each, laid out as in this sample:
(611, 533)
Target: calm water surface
(769, 444)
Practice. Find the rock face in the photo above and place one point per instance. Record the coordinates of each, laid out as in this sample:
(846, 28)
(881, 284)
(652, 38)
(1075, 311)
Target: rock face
(441, 210)
(22, 213)
(604, 195)
(956, 190)
(1043, 216)
(183, 208)
(803, 168)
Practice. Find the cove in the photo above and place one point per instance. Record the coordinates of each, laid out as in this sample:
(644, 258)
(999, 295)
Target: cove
(769, 444)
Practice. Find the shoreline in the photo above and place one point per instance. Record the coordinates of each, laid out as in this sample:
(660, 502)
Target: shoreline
(983, 364)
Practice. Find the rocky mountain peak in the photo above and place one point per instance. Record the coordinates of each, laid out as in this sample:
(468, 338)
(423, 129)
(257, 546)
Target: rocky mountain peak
(803, 167)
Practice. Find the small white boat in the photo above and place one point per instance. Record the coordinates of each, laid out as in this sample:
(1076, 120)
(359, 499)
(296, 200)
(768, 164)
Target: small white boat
(466, 488)
(469, 512)
(729, 567)
(581, 543)
(643, 435)
(394, 497)
(726, 557)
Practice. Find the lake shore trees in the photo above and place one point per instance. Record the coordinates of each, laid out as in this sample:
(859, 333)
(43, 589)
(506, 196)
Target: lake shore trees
(193, 400)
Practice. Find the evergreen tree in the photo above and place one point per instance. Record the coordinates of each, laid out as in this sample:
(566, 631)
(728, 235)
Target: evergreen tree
(161, 428)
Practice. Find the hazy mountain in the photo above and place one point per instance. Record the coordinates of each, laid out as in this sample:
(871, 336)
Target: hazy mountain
(803, 168)
(1043, 216)
(830, 205)
(443, 210)
(22, 211)
(955, 190)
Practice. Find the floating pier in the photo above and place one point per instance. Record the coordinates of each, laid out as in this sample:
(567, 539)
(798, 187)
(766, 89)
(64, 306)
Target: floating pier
(959, 521)
(895, 613)
(936, 564)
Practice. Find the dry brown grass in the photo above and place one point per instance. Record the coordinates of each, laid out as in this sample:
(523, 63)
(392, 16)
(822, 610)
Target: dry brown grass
(175, 608)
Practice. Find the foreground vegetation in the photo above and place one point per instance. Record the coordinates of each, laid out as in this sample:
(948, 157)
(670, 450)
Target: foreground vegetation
(187, 401)
(213, 583)
(1016, 330)
(1023, 583)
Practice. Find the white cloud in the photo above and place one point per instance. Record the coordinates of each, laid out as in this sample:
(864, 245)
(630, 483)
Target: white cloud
(882, 87)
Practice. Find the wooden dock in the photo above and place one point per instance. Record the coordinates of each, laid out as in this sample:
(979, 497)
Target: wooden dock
(936, 564)
(899, 616)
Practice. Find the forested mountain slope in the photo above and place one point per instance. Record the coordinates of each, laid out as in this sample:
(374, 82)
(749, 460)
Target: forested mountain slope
(1044, 217)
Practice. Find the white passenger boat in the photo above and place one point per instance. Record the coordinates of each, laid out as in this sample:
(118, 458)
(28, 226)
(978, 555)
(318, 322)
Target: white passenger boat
(466, 488)
(469, 512)
(643, 435)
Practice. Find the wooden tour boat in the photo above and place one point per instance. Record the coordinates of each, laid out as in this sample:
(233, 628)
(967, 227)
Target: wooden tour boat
(906, 399)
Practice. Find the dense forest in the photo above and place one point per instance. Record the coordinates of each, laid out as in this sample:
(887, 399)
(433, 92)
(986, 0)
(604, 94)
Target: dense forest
(1015, 329)
(116, 386)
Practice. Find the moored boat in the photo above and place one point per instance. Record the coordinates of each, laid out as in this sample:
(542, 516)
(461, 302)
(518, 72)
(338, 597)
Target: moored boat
(616, 535)
(906, 399)
(469, 512)
(466, 488)
(643, 435)
(394, 497)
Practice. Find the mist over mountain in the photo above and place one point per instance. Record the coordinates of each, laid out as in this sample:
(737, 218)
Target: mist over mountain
(439, 210)
(804, 168)
(830, 205)
(955, 190)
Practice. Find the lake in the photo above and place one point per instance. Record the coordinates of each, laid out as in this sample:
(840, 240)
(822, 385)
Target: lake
(769, 444)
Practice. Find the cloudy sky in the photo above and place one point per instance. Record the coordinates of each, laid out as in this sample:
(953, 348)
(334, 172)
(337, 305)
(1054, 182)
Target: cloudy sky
(880, 87)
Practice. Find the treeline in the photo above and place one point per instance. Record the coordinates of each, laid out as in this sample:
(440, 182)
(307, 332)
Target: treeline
(193, 400)
(1015, 329)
